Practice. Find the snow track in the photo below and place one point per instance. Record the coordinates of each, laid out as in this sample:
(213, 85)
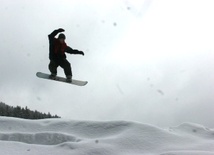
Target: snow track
(54, 136)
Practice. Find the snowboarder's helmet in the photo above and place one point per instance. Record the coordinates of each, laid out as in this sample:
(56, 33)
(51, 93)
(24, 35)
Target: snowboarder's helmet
(61, 36)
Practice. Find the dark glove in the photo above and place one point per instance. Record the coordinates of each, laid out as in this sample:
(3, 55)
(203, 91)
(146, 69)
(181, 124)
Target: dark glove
(82, 53)
(61, 30)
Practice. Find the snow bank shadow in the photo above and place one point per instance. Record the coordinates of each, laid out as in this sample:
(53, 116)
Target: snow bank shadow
(39, 138)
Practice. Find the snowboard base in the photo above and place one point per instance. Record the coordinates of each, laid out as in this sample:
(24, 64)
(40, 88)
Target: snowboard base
(61, 79)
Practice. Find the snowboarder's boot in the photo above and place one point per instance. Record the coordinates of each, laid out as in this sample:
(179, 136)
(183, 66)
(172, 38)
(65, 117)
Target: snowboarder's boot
(69, 78)
(52, 76)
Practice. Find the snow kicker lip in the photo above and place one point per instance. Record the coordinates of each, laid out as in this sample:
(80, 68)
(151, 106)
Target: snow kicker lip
(43, 138)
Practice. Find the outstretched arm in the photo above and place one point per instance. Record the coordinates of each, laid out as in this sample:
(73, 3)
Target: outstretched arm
(55, 32)
(73, 51)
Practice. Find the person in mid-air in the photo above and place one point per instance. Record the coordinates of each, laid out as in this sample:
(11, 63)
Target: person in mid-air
(57, 49)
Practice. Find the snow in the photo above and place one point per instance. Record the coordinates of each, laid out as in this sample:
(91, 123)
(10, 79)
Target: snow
(60, 136)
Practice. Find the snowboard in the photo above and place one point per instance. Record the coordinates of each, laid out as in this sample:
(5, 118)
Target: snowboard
(61, 79)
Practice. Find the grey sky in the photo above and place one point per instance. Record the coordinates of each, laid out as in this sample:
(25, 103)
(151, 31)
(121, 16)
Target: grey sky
(147, 61)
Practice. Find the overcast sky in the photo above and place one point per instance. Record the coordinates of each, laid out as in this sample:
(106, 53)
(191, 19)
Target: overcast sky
(145, 60)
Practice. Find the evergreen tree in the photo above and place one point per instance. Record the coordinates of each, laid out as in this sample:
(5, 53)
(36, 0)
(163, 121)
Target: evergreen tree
(6, 110)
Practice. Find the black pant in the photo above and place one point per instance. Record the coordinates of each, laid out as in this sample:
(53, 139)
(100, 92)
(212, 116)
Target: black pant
(62, 63)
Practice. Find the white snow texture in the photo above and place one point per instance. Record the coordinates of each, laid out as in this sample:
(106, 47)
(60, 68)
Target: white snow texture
(66, 137)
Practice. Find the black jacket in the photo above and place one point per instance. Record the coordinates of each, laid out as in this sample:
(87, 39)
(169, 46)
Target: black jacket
(55, 46)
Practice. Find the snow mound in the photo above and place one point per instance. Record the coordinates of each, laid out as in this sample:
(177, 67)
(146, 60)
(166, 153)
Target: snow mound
(42, 138)
(59, 136)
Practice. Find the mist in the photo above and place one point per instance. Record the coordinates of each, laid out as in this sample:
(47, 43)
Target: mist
(145, 60)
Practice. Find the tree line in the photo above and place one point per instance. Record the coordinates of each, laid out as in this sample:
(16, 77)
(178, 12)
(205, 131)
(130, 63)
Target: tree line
(20, 112)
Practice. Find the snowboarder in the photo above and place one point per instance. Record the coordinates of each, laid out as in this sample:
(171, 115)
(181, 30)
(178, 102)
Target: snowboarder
(57, 49)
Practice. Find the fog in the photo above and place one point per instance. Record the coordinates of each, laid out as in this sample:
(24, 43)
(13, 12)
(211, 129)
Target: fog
(145, 60)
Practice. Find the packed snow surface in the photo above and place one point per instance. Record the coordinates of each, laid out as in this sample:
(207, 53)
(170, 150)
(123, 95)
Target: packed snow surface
(66, 137)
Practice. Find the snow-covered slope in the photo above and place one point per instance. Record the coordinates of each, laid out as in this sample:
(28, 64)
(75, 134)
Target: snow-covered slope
(66, 137)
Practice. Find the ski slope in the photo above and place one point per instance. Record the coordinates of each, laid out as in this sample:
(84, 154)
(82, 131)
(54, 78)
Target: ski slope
(66, 137)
